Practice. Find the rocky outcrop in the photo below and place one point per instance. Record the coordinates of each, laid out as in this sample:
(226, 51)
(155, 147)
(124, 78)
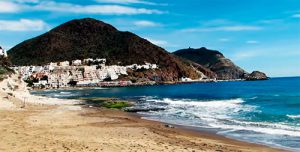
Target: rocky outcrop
(214, 61)
(256, 75)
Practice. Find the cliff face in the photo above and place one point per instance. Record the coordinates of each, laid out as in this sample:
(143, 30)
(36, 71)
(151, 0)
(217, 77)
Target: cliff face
(215, 61)
(90, 38)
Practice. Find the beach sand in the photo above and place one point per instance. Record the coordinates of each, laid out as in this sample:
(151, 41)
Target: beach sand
(38, 126)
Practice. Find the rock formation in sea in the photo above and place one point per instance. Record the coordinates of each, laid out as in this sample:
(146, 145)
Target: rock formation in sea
(256, 75)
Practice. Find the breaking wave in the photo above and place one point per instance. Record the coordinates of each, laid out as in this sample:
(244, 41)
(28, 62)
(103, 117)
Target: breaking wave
(294, 116)
(219, 114)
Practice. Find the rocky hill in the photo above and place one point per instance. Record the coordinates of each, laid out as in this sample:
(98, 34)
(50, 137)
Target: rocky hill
(90, 38)
(215, 61)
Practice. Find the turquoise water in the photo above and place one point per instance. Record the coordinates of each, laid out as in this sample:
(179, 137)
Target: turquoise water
(266, 112)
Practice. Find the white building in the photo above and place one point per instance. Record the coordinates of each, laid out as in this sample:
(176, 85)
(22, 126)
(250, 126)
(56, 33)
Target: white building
(154, 66)
(146, 66)
(90, 68)
(3, 52)
(53, 80)
(53, 64)
(87, 61)
(40, 83)
(65, 63)
(76, 62)
(112, 74)
(92, 61)
(61, 73)
(119, 70)
(102, 74)
(185, 79)
(37, 69)
(103, 61)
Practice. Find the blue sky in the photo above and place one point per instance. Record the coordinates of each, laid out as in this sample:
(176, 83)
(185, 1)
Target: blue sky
(256, 34)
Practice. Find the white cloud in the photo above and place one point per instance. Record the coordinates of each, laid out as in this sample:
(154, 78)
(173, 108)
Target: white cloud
(52, 6)
(23, 25)
(224, 39)
(234, 28)
(270, 21)
(7, 47)
(93, 9)
(252, 42)
(158, 42)
(162, 43)
(222, 25)
(239, 28)
(8, 7)
(26, 1)
(216, 22)
(245, 55)
(126, 2)
(144, 23)
(296, 16)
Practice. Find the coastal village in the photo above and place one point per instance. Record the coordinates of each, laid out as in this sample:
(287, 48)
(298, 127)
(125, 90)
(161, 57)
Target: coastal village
(88, 73)
(78, 73)
(84, 73)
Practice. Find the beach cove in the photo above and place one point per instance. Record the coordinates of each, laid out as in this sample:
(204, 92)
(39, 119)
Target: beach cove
(262, 112)
(66, 126)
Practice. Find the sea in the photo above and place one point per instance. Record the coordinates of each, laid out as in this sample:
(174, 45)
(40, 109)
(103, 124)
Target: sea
(263, 112)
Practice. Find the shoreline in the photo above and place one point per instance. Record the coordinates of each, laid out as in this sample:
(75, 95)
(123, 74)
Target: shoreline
(212, 134)
(198, 133)
(139, 85)
(63, 125)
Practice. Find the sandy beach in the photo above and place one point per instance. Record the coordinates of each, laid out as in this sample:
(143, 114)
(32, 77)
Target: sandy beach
(43, 124)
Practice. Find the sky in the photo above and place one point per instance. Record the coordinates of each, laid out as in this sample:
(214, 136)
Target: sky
(256, 34)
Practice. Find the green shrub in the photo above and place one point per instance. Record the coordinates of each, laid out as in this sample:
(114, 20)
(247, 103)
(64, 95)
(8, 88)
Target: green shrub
(29, 83)
(3, 70)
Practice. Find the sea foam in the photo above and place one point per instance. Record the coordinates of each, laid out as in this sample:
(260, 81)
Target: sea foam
(222, 114)
(294, 116)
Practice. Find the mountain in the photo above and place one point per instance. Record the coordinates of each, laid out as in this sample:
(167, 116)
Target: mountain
(90, 38)
(215, 61)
